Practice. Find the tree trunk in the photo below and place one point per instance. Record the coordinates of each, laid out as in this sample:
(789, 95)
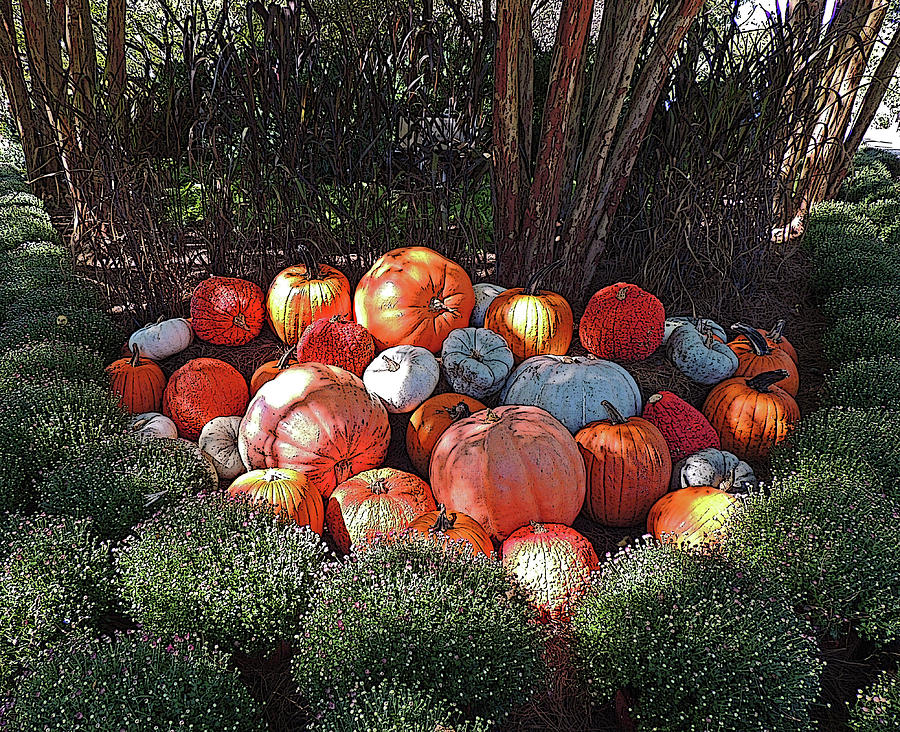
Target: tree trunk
(115, 71)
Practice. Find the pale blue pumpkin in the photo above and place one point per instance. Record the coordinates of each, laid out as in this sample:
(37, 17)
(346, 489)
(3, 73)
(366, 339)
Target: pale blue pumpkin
(676, 321)
(700, 357)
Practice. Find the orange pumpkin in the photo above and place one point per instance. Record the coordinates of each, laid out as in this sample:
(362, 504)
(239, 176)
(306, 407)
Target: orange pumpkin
(756, 354)
(380, 501)
(628, 468)
(776, 337)
(303, 293)
(691, 517)
(534, 322)
(413, 296)
(270, 369)
(751, 415)
(139, 383)
(202, 389)
(429, 421)
(453, 530)
(227, 311)
(287, 490)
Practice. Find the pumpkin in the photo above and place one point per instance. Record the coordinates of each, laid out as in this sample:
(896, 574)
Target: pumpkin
(485, 292)
(507, 467)
(316, 419)
(150, 425)
(429, 421)
(162, 339)
(573, 388)
(622, 322)
(751, 415)
(270, 369)
(552, 563)
(201, 390)
(757, 355)
(476, 361)
(685, 429)
(413, 296)
(700, 357)
(402, 377)
(691, 517)
(138, 382)
(380, 501)
(303, 293)
(227, 311)
(452, 530)
(288, 491)
(627, 465)
(337, 342)
(717, 468)
(674, 322)
(533, 322)
(218, 440)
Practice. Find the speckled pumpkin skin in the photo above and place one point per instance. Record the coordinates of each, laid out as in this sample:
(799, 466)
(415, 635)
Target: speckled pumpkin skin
(202, 389)
(553, 564)
(227, 311)
(685, 429)
(622, 322)
(690, 517)
(337, 342)
(429, 421)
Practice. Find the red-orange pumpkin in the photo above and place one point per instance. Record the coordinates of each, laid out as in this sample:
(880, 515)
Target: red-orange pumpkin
(413, 296)
(270, 369)
(227, 311)
(139, 383)
(553, 564)
(429, 421)
(451, 530)
(202, 389)
(692, 516)
(622, 322)
(757, 354)
(380, 501)
(628, 468)
(287, 490)
(337, 342)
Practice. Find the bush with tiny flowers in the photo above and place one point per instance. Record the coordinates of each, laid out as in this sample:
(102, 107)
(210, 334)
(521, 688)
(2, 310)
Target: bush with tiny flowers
(133, 683)
(877, 707)
(225, 569)
(863, 304)
(866, 337)
(63, 295)
(84, 326)
(21, 224)
(46, 358)
(706, 647)
(431, 619)
(833, 221)
(865, 382)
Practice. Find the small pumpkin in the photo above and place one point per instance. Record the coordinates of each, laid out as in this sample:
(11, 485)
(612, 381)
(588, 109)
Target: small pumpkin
(757, 355)
(685, 428)
(402, 377)
(149, 425)
(485, 292)
(201, 390)
(476, 361)
(218, 439)
(227, 311)
(674, 322)
(700, 357)
(622, 322)
(138, 382)
(270, 369)
(288, 491)
(717, 468)
(337, 342)
(751, 415)
(553, 565)
(452, 530)
(429, 421)
(380, 501)
(533, 322)
(162, 339)
(691, 517)
(776, 335)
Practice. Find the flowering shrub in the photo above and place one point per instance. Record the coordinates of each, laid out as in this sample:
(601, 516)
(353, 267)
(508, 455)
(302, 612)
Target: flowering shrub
(55, 576)
(65, 294)
(38, 360)
(707, 647)
(834, 221)
(428, 618)
(85, 326)
(227, 570)
(865, 382)
(857, 264)
(866, 304)
(852, 338)
(877, 707)
(36, 254)
(133, 683)
(20, 224)
(138, 477)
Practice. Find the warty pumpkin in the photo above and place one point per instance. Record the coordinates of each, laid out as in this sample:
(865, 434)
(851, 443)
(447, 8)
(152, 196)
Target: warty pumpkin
(757, 355)
(288, 491)
(227, 311)
(452, 530)
(270, 369)
(622, 322)
(429, 421)
(202, 389)
(338, 342)
(685, 429)
(138, 382)
(691, 517)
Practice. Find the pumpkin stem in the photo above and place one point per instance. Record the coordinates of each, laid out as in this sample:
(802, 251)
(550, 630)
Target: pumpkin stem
(160, 319)
(273, 474)
(337, 319)
(535, 279)
(313, 269)
(491, 416)
(135, 356)
(538, 528)
(777, 330)
(436, 305)
(654, 399)
(615, 416)
(391, 364)
(757, 340)
(240, 320)
(443, 523)
(285, 359)
(138, 425)
(379, 487)
(762, 382)
(622, 293)
(459, 411)
(706, 332)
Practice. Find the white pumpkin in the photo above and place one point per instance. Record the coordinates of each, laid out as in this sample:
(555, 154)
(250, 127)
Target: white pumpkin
(152, 424)
(477, 361)
(573, 388)
(162, 339)
(206, 458)
(717, 468)
(402, 377)
(219, 442)
(485, 292)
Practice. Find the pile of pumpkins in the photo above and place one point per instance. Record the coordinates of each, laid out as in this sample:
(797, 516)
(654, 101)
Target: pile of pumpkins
(563, 435)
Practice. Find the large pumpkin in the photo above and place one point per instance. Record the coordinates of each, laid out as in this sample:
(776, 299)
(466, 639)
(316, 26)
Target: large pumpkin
(138, 382)
(429, 421)
(338, 342)
(227, 311)
(553, 565)
(162, 339)
(628, 468)
(316, 419)
(288, 491)
(270, 369)
(379, 501)
(303, 293)
(452, 530)
(622, 322)
(413, 296)
(756, 355)
(685, 429)
(476, 361)
(507, 467)
(202, 389)
(691, 517)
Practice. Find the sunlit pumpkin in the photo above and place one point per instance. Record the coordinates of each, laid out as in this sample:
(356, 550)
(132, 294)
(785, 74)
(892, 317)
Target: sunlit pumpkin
(452, 529)
(202, 389)
(337, 342)
(287, 490)
(270, 369)
(429, 421)
(227, 311)
(756, 354)
(692, 516)
(138, 382)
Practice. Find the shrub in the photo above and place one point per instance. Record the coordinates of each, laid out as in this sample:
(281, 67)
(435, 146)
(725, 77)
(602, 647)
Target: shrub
(429, 619)
(56, 577)
(133, 683)
(20, 224)
(866, 382)
(863, 337)
(884, 214)
(85, 326)
(18, 282)
(867, 303)
(137, 478)
(835, 221)
(873, 155)
(70, 294)
(39, 360)
(707, 647)
(868, 180)
(224, 569)
(20, 198)
(857, 267)
(877, 708)
(827, 536)
(36, 254)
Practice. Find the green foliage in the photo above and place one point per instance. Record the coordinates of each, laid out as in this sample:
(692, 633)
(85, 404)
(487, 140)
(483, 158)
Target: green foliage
(831, 222)
(83, 326)
(138, 477)
(55, 577)
(708, 647)
(877, 707)
(67, 294)
(20, 198)
(35, 254)
(868, 182)
(873, 156)
(429, 619)
(229, 571)
(134, 683)
(865, 337)
(863, 303)
(866, 382)
(857, 267)
(885, 214)
(20, 224)
(37, 361)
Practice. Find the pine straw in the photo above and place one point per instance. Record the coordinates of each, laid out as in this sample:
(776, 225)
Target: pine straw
(246, 359)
